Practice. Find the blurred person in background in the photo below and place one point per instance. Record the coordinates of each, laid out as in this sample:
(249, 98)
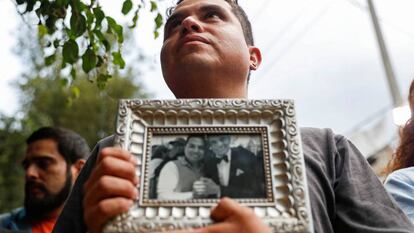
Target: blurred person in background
(53, 160)
(400, 181)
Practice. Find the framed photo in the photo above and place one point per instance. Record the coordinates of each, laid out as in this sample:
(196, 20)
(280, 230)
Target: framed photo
(192, 152)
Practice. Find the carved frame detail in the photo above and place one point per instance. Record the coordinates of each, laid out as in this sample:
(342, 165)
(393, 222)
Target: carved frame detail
(286, 207)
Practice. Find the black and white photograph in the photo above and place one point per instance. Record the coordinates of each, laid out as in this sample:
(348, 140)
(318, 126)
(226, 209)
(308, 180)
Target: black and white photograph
(206, 166)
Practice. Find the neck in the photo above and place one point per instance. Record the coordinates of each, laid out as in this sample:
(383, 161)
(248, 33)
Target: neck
(216, 89)
(193, 164)
(211, 95)
(210, 84)
(222, 155)
(54, 214)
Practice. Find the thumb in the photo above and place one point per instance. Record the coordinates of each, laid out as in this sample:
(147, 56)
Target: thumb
(227, 208)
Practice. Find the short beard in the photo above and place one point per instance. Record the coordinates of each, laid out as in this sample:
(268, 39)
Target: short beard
(40, 208)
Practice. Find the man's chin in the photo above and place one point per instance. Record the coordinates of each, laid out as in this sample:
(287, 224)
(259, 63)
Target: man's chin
(197, 63)
(42, 204)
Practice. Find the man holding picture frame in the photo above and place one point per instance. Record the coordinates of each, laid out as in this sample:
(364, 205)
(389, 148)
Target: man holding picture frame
(208, 52)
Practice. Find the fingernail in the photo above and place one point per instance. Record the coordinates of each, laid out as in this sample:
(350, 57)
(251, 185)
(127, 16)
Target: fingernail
(134, 160)
(135, 194)
(136, 181)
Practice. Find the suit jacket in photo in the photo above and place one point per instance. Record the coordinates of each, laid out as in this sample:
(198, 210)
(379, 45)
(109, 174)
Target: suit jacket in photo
(246, 178)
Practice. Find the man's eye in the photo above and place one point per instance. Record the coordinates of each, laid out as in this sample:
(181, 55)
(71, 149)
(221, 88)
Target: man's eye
(175, 24)
(43, 164)
(212, 15)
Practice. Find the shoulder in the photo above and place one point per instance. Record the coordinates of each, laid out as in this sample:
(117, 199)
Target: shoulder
(241, 151)
(324, 144)
(4, 216)
(405, 175)
(242, 156)
(7, 220)
(155, 162)
(18, 212)
(105, 142)
(315, 137)
(170, 166)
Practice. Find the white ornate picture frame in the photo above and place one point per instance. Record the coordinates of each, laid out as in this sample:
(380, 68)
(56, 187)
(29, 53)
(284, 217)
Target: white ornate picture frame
(284, 205)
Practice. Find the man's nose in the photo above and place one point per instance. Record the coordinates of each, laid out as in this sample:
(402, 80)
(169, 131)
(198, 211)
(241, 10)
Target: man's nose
(32, 172)
(190, 24)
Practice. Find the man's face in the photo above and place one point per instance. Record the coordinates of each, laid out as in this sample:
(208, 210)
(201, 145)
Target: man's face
(47, 179)
(204, 37)
(194, 150)
(219, 144)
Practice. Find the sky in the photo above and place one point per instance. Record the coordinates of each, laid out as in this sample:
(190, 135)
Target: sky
(322, 53)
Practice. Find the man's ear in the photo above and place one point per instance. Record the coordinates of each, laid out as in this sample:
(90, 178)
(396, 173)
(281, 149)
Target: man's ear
(255, 57)
(77, 167)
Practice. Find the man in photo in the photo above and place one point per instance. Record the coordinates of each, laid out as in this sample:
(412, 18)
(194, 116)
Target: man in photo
(235, 170)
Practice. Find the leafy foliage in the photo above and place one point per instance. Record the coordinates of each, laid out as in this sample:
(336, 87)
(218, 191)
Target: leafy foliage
(83, 108)
(83, 33)
(11, 151)
(48, 99)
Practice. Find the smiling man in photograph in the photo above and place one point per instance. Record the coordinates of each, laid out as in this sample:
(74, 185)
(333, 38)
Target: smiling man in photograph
(235, 170)
(208, 52)
(53, 160)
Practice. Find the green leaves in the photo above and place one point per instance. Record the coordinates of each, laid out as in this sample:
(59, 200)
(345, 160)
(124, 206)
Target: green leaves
(126, 7)
(100, 15)
(49, 60)
(89, 60)
(75, 91)
(135, 18)
(69, 27)
(158, 23)
(62, 3)
(116, 28)
(41, 30)
(103, 40)
(77, 24)
(70, 51)
(102, 80)
(29, 5)
(153, 6)
(118, 60)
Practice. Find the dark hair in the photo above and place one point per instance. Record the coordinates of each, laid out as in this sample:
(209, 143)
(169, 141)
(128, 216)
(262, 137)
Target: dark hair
(159, 152)
(195, 136)
(70, 144)
(404, 155)
(240, 15)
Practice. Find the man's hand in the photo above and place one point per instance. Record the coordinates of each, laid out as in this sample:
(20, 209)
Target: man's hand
(205, 187)
(110, 189)
(232, 218)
